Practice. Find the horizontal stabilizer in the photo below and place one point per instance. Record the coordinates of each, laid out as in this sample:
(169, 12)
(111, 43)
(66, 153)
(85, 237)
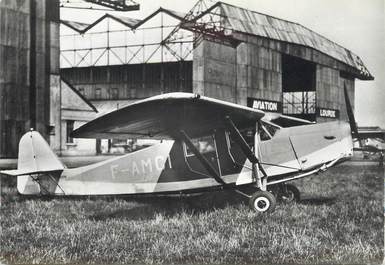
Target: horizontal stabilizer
(17, 172)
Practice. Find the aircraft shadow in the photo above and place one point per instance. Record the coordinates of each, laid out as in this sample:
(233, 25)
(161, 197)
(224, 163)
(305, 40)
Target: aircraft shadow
(148, 208)
(320, 200)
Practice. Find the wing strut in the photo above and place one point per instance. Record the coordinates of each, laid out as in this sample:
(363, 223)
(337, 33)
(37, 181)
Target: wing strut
(201, 158)
(238, 138)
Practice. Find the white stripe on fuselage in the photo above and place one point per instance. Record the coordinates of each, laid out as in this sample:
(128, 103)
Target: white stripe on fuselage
(77, 187)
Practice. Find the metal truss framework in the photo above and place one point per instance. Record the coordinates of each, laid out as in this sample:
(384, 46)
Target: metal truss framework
(214, 21)
(133, 42)
(175, 41)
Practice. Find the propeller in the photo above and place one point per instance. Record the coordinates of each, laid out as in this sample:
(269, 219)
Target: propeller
(354, 129)
(349, 110)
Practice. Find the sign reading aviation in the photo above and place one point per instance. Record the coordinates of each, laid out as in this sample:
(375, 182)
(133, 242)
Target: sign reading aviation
(328, 113)
(265, 105)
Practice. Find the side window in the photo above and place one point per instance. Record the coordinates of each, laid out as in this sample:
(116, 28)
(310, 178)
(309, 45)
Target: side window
(248, 134)
(203, 144)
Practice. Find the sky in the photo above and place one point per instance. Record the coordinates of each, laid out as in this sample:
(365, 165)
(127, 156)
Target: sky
(357, 25)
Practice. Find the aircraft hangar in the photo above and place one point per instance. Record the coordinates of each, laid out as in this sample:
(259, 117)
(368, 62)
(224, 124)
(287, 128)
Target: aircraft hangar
(215, 49)
(223, 51)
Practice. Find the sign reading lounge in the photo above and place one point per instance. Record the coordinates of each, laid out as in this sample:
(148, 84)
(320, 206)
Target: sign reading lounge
(328, 113)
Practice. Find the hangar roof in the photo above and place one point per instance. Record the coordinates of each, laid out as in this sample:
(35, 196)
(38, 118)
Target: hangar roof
(242, 20)
(127, 21)
(77, 26)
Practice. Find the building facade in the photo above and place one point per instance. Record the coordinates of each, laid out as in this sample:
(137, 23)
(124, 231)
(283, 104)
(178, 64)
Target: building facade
(29, 63)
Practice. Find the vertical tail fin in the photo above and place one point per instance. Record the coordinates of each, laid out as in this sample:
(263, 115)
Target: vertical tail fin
(35, 157)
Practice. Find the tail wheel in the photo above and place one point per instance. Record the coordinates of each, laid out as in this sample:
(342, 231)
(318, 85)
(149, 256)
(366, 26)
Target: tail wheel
(290, 193)
(262, 202)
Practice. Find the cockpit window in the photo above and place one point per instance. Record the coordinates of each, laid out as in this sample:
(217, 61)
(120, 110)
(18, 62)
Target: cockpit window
(203, 144)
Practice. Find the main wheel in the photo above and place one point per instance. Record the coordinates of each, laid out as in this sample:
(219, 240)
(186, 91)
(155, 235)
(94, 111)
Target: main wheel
(262, 202)
(290, 193)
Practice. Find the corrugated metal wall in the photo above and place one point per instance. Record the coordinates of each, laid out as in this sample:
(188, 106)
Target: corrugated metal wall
(261, 70)
(236, 73)
(330, 91)
(215, 72)
(25, 57)
(14, 73)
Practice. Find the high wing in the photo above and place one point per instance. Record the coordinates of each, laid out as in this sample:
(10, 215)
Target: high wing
(285, 121)
(163, 116)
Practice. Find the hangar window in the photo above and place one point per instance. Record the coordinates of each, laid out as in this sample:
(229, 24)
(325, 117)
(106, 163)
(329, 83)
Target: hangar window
(81, 90)
(70, 128)
(98, 93)
(114, 93)
(298, 87)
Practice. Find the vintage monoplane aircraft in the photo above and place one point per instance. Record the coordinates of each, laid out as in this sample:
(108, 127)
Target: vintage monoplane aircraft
(204, 144)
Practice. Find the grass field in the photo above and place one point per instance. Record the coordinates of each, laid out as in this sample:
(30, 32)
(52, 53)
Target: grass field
(339, 220)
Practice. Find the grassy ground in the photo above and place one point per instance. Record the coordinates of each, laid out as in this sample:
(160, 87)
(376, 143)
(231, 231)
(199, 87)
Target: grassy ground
(338, 221)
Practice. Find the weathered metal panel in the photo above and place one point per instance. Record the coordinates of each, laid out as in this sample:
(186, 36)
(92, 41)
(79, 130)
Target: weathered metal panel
(24, 89)
(330, 95)
(216, 71)
(218, 51)
(258, 73)
(55, 48)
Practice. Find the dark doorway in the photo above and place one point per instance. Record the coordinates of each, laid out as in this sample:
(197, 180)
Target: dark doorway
(298, 88)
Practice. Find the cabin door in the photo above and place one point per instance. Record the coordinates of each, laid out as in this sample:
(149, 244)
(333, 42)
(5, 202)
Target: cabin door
(207, 147)
(316, 144)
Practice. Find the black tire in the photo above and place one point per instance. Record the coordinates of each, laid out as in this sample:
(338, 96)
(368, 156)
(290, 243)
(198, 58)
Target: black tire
(262, 202)
(289, 193)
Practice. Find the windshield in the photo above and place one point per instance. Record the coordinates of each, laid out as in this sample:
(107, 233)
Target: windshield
(267, 131)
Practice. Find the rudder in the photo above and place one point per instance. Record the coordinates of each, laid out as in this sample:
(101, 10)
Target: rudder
(35, 157)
